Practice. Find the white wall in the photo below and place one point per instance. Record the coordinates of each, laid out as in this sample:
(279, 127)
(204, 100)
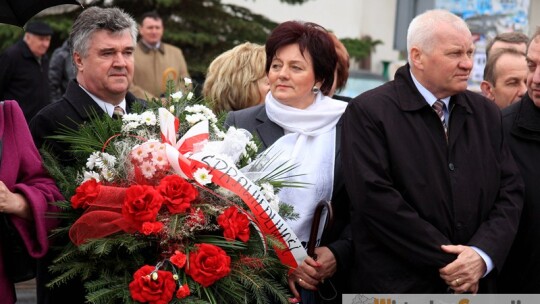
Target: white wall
(534, 16)
(352, 19)
(346, 18)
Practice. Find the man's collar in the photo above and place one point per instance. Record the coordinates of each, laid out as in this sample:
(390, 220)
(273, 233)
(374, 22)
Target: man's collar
(147, 48)
(104, 105)
(428, 96)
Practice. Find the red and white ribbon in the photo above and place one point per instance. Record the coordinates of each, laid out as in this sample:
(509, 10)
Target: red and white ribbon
(185, 160)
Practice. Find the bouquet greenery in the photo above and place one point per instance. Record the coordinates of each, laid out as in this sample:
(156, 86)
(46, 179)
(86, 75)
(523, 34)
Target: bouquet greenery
(149, 224)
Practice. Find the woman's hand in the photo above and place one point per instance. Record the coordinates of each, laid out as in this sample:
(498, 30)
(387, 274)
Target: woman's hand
(312, 272)
(13, 203)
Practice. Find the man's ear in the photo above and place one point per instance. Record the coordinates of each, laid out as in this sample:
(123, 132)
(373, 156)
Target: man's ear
(416, 58)
(487, 90)
(77, 59)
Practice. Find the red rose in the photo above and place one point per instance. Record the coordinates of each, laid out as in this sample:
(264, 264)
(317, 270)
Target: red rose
(146, 290)
(178, 259)
(85, 194)
(235, 224)
(208, 264)
(177, 193)
(141, 204)
(183, 291)
(151, 227)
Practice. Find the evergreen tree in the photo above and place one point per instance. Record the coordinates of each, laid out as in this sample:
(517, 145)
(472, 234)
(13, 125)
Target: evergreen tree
(203, 29)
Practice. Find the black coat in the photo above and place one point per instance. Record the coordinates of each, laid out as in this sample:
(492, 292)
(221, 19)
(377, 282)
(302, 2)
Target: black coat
(521, 272)
(75, 108)
(411, 192)
(61, 71)
(24, 79)
(337, 238)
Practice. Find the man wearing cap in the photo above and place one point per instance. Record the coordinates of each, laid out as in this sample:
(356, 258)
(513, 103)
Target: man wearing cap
(24, 69)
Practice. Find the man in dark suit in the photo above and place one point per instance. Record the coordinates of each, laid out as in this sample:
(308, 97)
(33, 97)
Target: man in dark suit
(24, 70)
(104, 63)
(102, 43)
(521, 122)
(435, 193)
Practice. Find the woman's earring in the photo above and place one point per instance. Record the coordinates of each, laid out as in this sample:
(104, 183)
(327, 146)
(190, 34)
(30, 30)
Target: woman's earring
(315, 90)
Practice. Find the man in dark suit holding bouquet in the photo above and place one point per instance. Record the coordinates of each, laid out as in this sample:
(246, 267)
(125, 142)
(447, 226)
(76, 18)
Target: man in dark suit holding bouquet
(102, 42)
(435, 193)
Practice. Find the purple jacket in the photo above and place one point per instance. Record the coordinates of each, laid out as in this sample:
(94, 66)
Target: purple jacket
(22, 171)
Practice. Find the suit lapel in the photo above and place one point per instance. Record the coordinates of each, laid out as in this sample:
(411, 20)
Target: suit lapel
(84, 105)
(131, 100)
(458, 116)
(81, 102)
(267, 130)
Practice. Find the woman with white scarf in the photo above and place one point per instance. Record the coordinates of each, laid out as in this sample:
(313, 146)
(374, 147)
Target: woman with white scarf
(301, 122)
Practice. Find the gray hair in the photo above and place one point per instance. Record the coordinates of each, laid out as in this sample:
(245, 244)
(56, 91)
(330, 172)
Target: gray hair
(423, 27)
(95, 19)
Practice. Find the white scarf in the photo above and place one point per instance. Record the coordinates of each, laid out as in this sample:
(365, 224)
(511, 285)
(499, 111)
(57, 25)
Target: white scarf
(310, 143)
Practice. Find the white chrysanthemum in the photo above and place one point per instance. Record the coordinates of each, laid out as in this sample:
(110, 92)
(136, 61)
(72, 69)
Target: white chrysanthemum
(148, 169)
(91, 162)
(171, 109)
(132, 125)
(274, 204)
(268, 191)
(107, 174)
(189, 96)
(267, 188)
(177, 96)
(203, 110)
(162, 148)
(139, 154)
(160, 159)
(151, 146)
(187, 80)
(252, 146)
(130, 117)
(217, 132)
(195, 118)
(88, 175)
(197, 108)
(108, 160)
(203, 176)
(99, 162)
(149, 118)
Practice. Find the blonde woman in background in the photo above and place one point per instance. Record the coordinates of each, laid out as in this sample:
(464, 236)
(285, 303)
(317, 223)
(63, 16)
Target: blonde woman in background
(237, 79)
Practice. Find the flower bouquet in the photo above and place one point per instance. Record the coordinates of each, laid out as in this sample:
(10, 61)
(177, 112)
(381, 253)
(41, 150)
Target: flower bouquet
(161, 213)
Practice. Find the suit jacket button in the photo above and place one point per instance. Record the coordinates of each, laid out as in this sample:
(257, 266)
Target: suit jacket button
(451, 166)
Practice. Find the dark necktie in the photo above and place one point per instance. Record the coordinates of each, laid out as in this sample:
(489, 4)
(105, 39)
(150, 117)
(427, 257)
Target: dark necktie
(438, 106)
(118, 112)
